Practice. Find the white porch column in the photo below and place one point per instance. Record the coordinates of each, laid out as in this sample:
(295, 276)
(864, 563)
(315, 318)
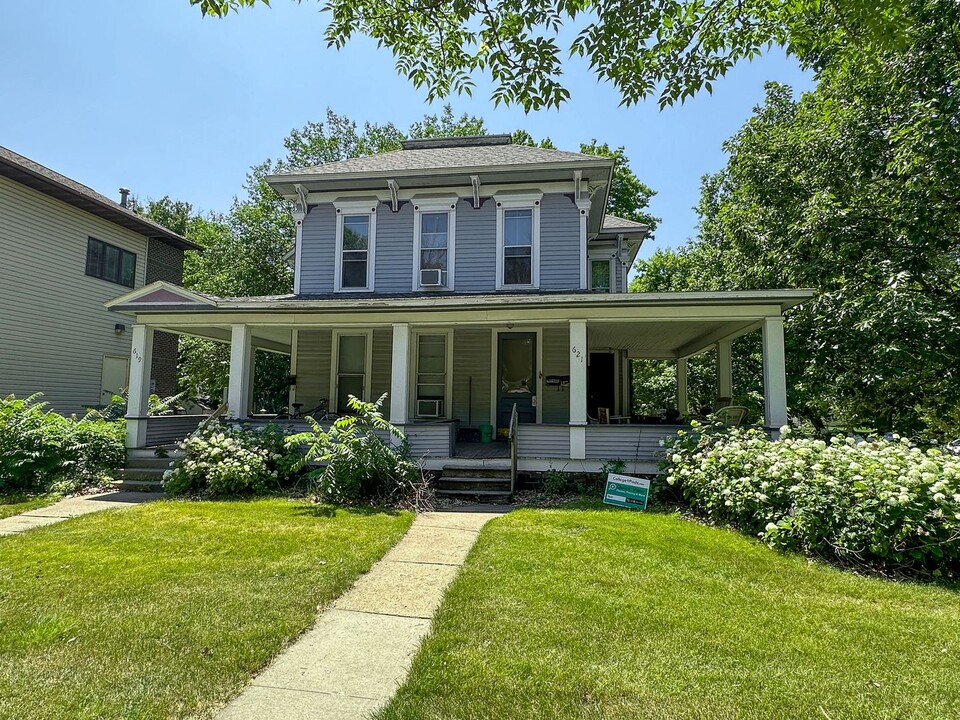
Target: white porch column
(725, 369)
(578, 389)
(138, 392)
(238, 391)
(682, 403)
(400, 374)
(774, 375)
(583, 206)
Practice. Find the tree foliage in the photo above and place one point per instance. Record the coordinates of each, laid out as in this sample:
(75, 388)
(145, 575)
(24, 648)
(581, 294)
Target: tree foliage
(854, 190)
(671, 47)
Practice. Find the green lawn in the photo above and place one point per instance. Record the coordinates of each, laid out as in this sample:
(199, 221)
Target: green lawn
(600, 614)
(166, 609)
(17, 503)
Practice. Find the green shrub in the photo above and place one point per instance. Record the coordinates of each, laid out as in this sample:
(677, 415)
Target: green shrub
(356, 464)
(227, 460)
(555, 482)
(41, 450)
(884, 504)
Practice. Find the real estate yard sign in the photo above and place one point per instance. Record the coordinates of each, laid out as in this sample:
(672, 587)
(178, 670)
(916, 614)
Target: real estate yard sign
(626, 491)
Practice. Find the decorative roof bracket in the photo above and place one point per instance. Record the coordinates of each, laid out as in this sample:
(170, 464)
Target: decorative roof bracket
(394, 195)
(300, 204)
(577, 181)
(475, 181)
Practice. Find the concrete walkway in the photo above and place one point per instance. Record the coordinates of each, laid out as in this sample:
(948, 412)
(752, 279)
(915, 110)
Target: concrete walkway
(72, 507)
(359, 651)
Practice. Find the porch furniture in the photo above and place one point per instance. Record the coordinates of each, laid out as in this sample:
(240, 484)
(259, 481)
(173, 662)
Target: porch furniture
(607, 419)
(732, 415)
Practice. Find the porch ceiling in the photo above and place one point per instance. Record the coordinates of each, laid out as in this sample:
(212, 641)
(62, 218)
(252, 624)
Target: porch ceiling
(665, 340)
(272, 339)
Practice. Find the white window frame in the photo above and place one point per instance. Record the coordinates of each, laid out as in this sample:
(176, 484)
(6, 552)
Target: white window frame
(591, 259)
(356, 207)
(335, 364)
(430, 206)
(526, 201)
(415, 370)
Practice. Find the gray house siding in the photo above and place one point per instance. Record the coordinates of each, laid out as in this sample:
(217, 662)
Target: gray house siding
(318, 249)
(54, 329)
(559, 243)
(394, 263)
(556, 361)
(471, 375)
(475, 247)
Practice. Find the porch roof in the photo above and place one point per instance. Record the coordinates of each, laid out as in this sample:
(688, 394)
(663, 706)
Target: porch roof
(650, 325)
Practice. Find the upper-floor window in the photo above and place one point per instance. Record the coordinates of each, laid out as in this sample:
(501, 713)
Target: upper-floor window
(356, 236)
(434, 226)
(518, 243)
(600, 275)
(111, 263)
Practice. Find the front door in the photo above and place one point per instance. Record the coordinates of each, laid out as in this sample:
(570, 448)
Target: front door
(601, 383)
(517, 377)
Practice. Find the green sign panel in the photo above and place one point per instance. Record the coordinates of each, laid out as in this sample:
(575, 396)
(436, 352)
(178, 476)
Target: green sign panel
(626, 491)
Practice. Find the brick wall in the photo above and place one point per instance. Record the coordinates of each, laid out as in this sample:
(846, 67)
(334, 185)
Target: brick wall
(164, 262)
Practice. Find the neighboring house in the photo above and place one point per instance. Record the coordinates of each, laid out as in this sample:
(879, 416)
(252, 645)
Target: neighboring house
(467, 277)
(64, 251)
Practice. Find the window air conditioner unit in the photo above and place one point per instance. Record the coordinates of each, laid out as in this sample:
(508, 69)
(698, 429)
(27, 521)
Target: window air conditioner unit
(429, 408)
(431, 278)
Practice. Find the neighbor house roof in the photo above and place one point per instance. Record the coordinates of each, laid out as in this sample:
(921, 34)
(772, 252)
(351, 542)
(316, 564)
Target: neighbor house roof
(25, 171)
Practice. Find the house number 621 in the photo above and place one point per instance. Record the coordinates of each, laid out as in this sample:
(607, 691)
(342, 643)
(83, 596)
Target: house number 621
(576, 353)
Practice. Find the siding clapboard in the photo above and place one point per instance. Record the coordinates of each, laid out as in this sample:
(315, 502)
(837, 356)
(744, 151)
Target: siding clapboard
(556, 361)
(543, 441)
(471, 375)
(54, 329)
(627, 442)
(559, 243)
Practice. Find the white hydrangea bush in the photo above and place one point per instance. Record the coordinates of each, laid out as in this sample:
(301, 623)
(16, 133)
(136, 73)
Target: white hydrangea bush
(886, 504)
(225, 461)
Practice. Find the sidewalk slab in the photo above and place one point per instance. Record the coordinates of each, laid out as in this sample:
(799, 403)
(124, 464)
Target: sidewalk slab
(362, 655)
(73, 507)
(359, 651)
(405, 589)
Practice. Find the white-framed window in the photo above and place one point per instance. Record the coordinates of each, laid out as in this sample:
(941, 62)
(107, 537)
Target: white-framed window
(518, 241)
(601, 274)
(356, 246)
(434, 243)
(350, 368)
(433, 374)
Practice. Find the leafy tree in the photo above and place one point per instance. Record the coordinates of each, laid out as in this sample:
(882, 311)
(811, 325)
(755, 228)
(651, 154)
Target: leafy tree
(629, 198)
(854, 189)
(678, 46)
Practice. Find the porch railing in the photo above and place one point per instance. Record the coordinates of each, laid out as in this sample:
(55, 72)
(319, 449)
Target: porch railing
(512, 436)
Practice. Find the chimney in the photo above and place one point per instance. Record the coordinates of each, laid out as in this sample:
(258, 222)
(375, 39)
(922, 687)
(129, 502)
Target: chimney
(124, 196)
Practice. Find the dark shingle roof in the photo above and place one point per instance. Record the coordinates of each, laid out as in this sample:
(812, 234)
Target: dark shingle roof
(34, 175)
(454, 154)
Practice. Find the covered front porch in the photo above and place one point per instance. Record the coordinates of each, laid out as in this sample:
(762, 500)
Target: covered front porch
(454, 367)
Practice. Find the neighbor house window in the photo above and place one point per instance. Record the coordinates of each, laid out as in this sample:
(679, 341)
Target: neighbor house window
(356, 233)
(432, 375)
(110, 263)
(434, 225)
(518, 243)
(600, 275)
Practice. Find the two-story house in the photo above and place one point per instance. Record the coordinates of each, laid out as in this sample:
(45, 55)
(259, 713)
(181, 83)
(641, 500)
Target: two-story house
(64, 251)
(466, 278)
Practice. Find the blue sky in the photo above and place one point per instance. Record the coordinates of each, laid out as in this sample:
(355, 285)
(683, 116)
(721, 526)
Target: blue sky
(153, 97)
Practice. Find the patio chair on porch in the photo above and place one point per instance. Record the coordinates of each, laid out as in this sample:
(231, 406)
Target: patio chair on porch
(607, 419)
(732, 415)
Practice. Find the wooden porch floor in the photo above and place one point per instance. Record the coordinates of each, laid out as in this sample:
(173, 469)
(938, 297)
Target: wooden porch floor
(479, 450)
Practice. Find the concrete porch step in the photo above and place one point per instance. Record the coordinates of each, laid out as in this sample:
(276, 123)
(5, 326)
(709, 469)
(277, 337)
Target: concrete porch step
(476, 471)
(125, 484)
(149, 462)
(472, 483)
(496, 497)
